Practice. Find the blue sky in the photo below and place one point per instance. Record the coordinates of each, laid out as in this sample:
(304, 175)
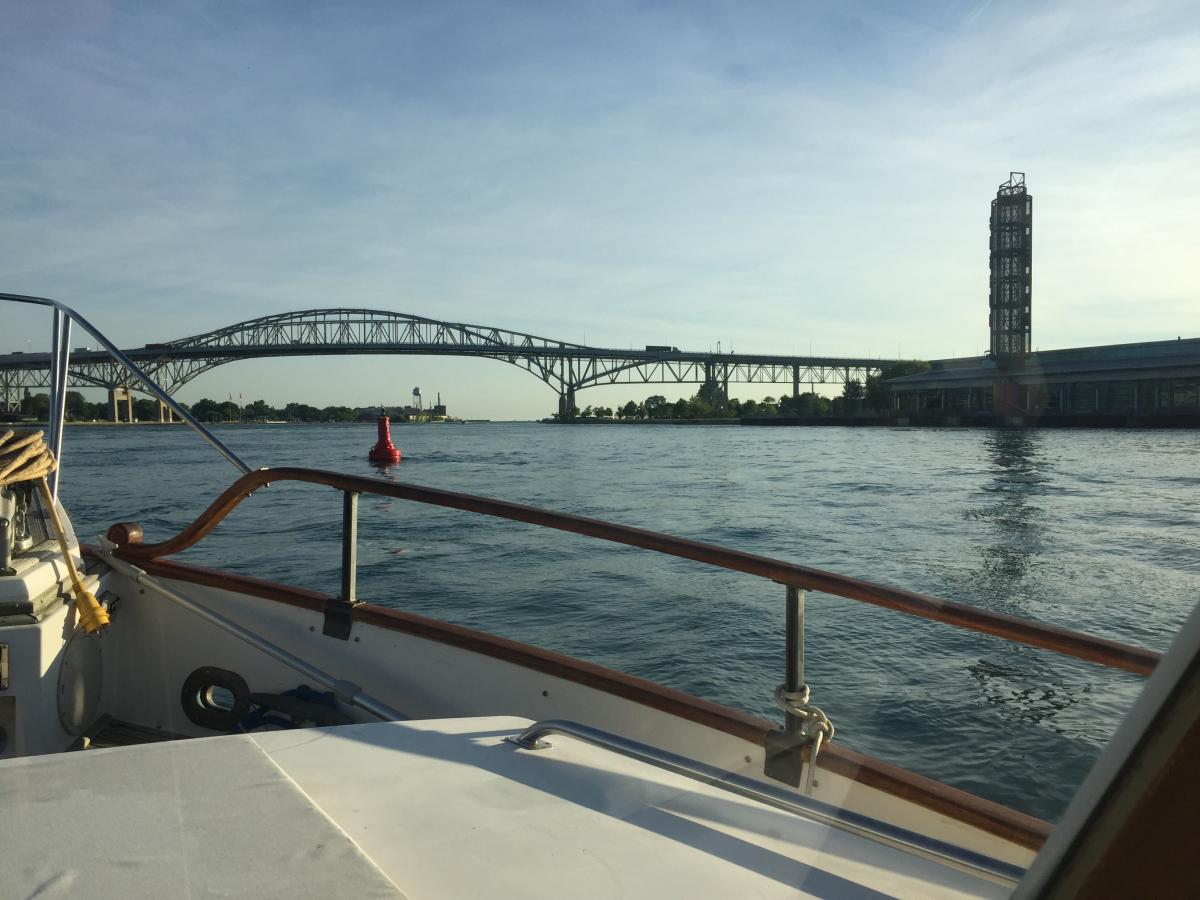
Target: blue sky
(779, 176)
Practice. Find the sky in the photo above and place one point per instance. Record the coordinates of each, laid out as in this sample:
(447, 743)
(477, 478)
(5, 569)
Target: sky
(778, 177)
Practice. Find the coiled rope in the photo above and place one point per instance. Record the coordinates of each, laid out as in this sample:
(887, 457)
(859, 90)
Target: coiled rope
(815, 727)
(25, 457)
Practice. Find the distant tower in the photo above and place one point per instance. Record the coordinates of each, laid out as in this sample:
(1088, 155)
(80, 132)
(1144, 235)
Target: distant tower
(1009, 296)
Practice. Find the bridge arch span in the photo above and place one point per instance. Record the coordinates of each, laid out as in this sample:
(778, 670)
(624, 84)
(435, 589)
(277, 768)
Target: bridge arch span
(563, 365)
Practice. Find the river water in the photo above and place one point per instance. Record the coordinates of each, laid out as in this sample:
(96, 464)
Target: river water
(1095, 530)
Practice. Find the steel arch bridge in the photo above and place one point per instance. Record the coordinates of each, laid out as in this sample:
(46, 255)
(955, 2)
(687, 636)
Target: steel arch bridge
(566, 367)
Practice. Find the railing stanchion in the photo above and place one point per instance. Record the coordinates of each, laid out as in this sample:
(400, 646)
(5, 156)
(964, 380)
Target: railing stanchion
(58, 395)
(55, 349)
(794, 641)
(338, 610)
(787, 747)
(806, 727)
(349, 544)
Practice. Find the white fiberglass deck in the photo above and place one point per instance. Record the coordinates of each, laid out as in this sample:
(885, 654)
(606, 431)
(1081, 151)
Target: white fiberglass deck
(436, 808)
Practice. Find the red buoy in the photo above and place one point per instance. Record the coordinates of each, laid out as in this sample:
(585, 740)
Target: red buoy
(384, 452)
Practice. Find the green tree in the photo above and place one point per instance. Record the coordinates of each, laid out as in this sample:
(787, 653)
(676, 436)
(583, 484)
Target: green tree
(36, 406)
(699, 408)
(875, 393)
(812, 404)
(657, 407)
(710, 393)
(877, 396)
(145, 410)
(208, 410)
(77, 406)
(259, 409)
(338, 414)
(302, 412)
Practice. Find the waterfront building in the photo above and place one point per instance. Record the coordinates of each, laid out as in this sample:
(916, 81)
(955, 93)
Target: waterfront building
(1157, 380)
(1153, 379)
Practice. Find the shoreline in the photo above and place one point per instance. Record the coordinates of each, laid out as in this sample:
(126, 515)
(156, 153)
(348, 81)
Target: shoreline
(640, 422)
(925, 420)
(29, 423)
(1189, 421)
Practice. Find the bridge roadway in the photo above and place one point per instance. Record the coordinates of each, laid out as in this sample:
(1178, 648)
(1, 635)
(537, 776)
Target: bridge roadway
(564, 366)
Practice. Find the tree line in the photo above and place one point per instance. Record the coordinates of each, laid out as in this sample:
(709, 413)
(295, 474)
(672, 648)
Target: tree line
(80, 409)
(259, 410)
(857, 398)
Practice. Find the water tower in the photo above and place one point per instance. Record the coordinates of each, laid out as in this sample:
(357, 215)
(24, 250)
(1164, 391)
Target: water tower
(417, 399)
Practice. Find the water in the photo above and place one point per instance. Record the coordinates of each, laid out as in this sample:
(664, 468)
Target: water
(1090, 529)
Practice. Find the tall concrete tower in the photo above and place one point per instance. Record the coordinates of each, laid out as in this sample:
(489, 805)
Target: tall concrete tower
(1010, 291)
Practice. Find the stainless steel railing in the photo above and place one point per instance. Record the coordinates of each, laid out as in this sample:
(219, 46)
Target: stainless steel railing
(60, 358)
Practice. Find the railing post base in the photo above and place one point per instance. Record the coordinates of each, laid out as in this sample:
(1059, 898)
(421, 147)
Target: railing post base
(339, 616)
(785, 756)
(339, 611)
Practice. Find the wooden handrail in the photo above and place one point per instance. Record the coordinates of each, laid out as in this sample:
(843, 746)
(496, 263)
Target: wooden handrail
(1024, 631)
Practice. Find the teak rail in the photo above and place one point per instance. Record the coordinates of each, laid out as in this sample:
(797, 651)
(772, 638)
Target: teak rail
(1035, 634)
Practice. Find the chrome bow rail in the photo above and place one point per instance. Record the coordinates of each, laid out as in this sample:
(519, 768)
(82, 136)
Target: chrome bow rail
(60, 358)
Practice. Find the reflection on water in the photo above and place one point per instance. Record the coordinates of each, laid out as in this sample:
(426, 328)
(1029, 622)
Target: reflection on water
(1013, 506)
(1019, 683)
(1024, 687)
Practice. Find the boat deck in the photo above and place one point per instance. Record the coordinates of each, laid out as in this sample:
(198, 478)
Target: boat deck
(427, 808)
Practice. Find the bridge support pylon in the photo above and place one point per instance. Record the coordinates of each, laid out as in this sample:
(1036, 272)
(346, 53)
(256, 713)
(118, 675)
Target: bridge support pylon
(116, 396)
(566, 403)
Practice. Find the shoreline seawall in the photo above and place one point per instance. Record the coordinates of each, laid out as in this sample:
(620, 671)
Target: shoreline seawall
(938, 420)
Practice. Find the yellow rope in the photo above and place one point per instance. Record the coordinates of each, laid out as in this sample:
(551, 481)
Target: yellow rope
(25, 457)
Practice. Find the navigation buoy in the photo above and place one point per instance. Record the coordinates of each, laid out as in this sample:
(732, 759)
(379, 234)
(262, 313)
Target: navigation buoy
(384, 452)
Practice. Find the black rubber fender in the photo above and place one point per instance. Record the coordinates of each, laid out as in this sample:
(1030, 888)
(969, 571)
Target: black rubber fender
(200, 711)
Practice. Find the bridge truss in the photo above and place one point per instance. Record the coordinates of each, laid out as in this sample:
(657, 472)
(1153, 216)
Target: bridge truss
(566, 367)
